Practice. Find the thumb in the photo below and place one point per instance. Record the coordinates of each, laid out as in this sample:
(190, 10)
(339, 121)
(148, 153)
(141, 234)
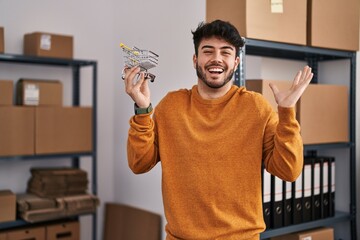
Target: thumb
(274, 88)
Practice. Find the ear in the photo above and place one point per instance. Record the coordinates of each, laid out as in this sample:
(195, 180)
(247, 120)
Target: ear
(194, 60)
(237, 62)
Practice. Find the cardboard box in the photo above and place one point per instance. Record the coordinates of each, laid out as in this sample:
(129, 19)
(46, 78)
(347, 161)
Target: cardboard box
(273, 20)
(322, 111)
(48, 45)
(39, 92)
(2, 40)
(262, 86)
(17, 130)
(3, 236)
(6, 92)
(64, 231)
(63, 130)
(333, 24)
(35, 233)
(7, 206)
(125, 222)
(315, 234)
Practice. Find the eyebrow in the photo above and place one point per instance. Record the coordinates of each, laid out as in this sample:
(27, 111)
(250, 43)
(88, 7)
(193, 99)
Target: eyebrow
(224, 47)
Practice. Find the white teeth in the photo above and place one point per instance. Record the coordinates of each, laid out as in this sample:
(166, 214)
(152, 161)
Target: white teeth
(218, 70)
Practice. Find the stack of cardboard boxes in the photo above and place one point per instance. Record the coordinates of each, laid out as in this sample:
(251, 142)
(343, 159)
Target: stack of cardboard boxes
(318, 23)
(55, 193)
(17, 124)
(39, 124)
(65, 230)
(7, 206)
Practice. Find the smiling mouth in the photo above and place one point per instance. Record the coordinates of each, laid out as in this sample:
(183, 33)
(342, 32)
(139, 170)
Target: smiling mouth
(215, 70)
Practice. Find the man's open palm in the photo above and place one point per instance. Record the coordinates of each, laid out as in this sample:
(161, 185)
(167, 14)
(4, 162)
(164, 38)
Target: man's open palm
(288, 98)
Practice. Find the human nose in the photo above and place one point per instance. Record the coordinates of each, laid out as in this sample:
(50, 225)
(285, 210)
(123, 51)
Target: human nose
(216, 57)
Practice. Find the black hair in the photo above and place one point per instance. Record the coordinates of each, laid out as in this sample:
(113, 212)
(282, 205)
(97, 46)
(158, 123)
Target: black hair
(217, 28)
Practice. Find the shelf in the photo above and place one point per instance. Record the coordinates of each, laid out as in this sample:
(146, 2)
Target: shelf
(311, 147)
(75, 65)
(46, 156)
(312, 55)
(291, 51)
(21, 223)
(339, 217)
(14, 58)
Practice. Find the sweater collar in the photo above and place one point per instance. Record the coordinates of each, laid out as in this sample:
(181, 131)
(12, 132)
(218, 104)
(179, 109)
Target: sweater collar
(219, 100)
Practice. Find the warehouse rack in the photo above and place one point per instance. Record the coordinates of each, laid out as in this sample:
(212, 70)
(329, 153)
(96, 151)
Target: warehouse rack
(312, 55)
(75, 65)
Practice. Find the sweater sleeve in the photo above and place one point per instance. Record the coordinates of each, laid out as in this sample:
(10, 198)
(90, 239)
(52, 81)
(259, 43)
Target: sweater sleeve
(142, 150)
(283, 146)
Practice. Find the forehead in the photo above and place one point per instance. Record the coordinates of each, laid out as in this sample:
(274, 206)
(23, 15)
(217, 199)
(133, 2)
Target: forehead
(215, 42)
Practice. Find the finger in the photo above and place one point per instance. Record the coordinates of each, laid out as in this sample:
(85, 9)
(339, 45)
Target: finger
(307, 72)
(309, 75)
(274, 88)
(297, 79)
(130, 75)
(123, 72)
(140, 80)
(129, 79)
(145, 86)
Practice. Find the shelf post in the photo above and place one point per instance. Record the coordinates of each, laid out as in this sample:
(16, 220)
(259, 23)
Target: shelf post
(352, 134)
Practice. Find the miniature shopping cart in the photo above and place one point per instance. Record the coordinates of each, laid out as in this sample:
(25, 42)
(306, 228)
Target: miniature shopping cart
(145, 59)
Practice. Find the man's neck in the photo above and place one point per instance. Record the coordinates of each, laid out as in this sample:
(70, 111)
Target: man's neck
(212, 93)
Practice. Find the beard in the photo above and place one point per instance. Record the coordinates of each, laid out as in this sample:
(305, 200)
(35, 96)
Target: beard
(202, 76)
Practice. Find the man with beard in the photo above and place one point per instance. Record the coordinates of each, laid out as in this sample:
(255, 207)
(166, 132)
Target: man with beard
(212, 140)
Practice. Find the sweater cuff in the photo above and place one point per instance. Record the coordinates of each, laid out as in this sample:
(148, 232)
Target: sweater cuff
(142, 119)
(287, 114)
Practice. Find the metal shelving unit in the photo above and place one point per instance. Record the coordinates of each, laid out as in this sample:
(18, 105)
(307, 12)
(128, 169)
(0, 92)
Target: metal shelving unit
(312, 56)
(75, 65)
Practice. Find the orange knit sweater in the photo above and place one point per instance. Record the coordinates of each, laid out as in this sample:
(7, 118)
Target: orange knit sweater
(211, 153)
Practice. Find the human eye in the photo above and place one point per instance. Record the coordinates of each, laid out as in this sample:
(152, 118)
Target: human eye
(226, 53)
(207, 51)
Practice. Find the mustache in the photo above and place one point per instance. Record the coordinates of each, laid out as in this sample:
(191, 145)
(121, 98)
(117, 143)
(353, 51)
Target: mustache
(214, 65)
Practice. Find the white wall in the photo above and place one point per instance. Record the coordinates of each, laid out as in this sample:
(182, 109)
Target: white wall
(91, 24)
(163, 26)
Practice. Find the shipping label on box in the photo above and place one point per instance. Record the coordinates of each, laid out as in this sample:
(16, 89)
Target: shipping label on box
(6, 92)
(7, 206)
(31, 94)
(48, 45)
(277, 6)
